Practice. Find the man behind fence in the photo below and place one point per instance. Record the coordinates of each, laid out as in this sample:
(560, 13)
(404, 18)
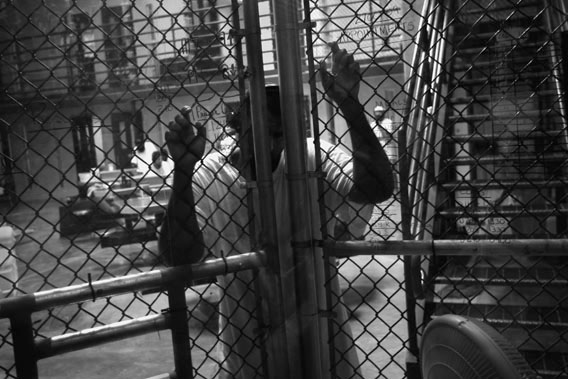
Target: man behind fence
(208, 209)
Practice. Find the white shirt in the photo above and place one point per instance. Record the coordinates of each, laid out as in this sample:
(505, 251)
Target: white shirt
(143, 159)
(165, 171)
(220, 197)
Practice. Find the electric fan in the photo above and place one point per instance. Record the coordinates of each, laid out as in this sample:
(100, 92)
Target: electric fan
(455, 347)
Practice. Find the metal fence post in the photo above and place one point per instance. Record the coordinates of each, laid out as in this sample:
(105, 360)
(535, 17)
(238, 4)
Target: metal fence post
(290, 80)
(180, 330)
(281, 308)
(24, 347)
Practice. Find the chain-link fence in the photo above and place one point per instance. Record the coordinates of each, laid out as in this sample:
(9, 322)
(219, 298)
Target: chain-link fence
(487, 125)
(467, 98)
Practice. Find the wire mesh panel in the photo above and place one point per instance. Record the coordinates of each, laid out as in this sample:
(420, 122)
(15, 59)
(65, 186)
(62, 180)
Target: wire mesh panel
(483, 114)
(493, 134)
(466, 98)
(380, 34)
(87, 92)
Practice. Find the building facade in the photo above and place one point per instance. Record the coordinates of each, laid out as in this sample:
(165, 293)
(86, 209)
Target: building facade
(85, 82)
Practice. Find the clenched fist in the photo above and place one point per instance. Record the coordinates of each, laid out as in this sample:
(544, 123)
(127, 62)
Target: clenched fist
(186, 142)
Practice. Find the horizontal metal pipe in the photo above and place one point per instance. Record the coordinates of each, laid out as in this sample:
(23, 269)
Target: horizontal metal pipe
(137, 282)
(49, 347)
(502, 247)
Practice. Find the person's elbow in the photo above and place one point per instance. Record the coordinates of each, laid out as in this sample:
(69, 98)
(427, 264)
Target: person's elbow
(373, 189)
(384, 191)
(179, 247)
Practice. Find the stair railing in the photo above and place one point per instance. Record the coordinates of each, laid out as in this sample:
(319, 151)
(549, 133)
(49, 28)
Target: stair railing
(430, 107)
(416, 141)
(555, 25)
(423, 130)
(422, 109)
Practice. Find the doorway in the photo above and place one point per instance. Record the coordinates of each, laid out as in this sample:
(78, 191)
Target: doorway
(126, 134)
(83, 143)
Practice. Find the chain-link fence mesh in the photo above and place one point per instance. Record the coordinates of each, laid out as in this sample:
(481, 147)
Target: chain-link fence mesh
(487, 163)
(467, 98)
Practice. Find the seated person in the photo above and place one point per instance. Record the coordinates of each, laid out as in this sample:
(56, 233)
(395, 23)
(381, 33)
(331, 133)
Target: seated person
(161, 165)
(91, 200)
(142, 158)
(90, 210)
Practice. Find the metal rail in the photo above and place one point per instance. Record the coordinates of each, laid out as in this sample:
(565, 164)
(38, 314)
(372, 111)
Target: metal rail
(490, 247)
(28, 350)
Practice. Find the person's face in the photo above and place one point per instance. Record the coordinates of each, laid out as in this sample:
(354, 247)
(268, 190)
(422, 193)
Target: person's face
(276, 135)
(276, 142)
(380, 114)
(158, 162)
(228, 143)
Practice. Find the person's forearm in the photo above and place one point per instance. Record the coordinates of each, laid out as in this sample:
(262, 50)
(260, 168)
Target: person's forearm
(372, 170)
(181, 240)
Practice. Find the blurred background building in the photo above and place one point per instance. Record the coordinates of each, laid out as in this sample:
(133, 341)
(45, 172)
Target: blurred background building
(85, 82)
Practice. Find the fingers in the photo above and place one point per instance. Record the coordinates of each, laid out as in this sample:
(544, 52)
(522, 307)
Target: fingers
(182, 123)
(182, 129)
(201, 130)
(185, 111)
(342, 60)
(334, 47)
(354, 67)
(325, 76)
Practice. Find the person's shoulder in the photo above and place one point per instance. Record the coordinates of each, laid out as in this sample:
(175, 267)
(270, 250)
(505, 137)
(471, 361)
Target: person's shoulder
(213, 171)
(323, 145)
(326, 148)
(212, 159)
(214, 162)
(150, 146)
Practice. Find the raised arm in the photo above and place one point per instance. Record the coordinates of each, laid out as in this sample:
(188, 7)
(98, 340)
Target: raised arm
(181, 240)
(372, 171)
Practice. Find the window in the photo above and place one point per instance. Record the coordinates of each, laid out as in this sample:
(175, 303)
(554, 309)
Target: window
(174, 51)
(119, 44)
(192, 47)
(205, 35)
(82, 46)
(150, 11)
(83, 143)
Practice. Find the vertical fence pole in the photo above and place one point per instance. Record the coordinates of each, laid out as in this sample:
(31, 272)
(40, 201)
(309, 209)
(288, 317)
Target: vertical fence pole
(24, 346)
(280, 298)
(407, 193)
(327, 366)
(180, 330)
(179, 323)
(266, 344)
(287, 31)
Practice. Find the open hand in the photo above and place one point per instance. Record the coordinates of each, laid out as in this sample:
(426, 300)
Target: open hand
(185, 145)
(344, 80)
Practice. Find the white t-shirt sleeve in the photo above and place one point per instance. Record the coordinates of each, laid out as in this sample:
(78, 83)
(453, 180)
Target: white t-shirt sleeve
(337, 166)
